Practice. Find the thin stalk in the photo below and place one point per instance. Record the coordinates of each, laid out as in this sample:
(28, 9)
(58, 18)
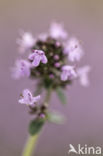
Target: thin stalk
(30, 145)
(48, 94)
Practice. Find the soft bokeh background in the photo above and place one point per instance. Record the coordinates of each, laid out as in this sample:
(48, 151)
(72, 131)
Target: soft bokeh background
(84, 112)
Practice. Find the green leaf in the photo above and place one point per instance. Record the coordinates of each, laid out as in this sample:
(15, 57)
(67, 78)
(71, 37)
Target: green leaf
(61, 95)
(55, 117)
(35, 126)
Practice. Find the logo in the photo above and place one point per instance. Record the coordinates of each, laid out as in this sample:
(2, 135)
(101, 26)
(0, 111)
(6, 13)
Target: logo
(84, 150)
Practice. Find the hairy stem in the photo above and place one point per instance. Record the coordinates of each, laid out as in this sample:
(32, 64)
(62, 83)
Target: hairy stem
(32, 140)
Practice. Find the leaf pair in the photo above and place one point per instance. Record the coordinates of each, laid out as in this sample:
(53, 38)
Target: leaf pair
(37, 124)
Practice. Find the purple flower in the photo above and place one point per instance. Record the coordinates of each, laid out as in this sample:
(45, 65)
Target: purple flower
(51, 76)
(36, 57)
(56, 57)
(26, 42)
(27, 98)
(57, 64)
(58, 44)
(73, 49)
(42, 116)
(21, 69)
(57, 31)
(83, 75)
(68, 72)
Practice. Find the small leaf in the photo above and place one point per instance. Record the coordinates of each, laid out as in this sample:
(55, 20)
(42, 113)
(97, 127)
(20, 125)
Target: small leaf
(55, 117)
(61, 95)
(35, 126)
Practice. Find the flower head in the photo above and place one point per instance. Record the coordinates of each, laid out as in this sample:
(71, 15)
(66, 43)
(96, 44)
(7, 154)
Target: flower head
(51, 47)
(28, 99)
(36, 57)
(83, 75)
(26, 42)
(68, 72)
(57, 31)
(21, 69)
(73, 49)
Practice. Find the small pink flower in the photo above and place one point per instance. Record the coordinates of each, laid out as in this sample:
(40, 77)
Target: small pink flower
(38, 56)
(42, 116)
(58, 44)
(51, 76)
(68, 72)
(83, 75)
(21, 69)
(57, 31)
(28, 99)
(74, 50)
(57, 65)
(25, 42)
(56, 57)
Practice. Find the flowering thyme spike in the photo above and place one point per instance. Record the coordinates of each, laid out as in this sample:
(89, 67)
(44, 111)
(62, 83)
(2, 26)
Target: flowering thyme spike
(21, 69)
(28, 99)
(37, 56)
(25, 42)
(51, 62)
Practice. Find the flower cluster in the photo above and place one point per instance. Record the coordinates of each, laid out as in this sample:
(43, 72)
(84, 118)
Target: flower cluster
(52, 59)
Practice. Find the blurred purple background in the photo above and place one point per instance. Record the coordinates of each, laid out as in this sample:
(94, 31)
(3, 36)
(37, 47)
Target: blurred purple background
(84, 111)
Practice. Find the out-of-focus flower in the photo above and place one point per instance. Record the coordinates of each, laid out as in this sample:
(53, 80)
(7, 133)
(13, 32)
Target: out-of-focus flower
(57, 64)
(27, 98)
(74, 50)
(83, 75)
(43, 37)
(68, 72)
(37, 56)
(51, 76)
(56, 57)
(25, 42)
(21, 69)
(58, 44)
(42, 116)
(57, 31)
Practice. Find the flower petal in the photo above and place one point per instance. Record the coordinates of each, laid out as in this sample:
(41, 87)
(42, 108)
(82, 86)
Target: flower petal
(44, 59)
(36, 61)
(36, 99)
(64, 76)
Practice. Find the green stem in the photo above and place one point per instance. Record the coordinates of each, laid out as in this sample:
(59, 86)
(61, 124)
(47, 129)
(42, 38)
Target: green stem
(47, 98)
(32, 140)
(29, 147)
